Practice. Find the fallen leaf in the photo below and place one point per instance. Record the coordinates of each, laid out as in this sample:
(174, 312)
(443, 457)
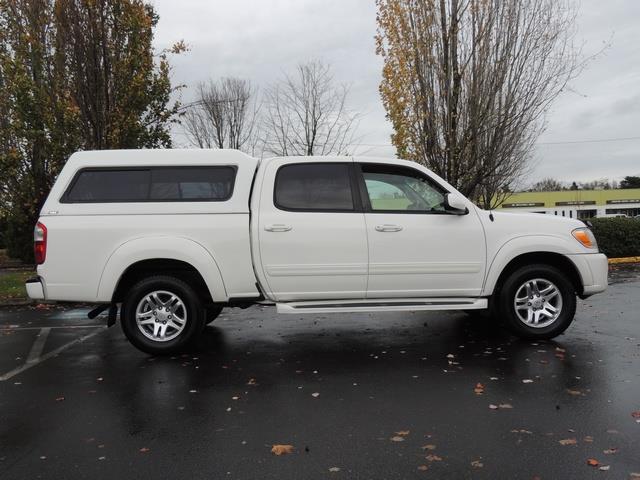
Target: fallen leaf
(397, 439)
(252, 381)
(573, 392)
(403, 433)
(423, 468)
(477, 464)
(505, 405)
(428, 447)
(610, 451)
(568, 441)
(144, 450)
(527, 380)
(604, 468)
(334, 469)
(493, 407)
(635, 414)
(315, 394)
(433, 458)
(593, 462)
(479, 390)
(588, 439)
(281, 449)
(59, 399)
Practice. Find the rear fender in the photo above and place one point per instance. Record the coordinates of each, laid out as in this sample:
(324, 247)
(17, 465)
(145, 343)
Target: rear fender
(174, 248)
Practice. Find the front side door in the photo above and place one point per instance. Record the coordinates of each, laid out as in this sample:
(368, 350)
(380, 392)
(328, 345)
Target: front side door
(416, 247)
(311, 231)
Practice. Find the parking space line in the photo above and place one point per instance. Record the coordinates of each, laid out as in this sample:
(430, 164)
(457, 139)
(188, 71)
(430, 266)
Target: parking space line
(38, 345)
(47, 356)
(18, 327)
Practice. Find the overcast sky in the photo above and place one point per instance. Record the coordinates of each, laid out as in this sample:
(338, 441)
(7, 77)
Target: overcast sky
(258, 40)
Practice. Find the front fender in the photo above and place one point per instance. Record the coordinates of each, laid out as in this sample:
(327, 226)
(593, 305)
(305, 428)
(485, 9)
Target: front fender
(173, 248)
(517, 246)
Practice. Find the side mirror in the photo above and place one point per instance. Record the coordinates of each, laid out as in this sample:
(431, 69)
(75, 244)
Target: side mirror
(455, 204)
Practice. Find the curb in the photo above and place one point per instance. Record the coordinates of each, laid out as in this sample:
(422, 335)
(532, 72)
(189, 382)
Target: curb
(17, 303)
(615, 261)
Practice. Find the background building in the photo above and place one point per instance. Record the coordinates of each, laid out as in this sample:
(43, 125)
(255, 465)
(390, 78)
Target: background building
(577, 203)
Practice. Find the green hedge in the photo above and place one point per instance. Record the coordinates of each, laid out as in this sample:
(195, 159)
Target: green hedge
(617, 237)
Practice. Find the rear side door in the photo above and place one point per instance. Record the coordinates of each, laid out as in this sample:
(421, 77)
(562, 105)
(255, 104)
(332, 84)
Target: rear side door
(416, 247)
(312, 239)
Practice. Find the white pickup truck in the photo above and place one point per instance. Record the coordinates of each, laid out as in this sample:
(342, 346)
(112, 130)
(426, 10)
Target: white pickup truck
(173, 236)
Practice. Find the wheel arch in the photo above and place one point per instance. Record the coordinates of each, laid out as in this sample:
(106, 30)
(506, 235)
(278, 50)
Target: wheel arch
(175, 256)
(554, 259)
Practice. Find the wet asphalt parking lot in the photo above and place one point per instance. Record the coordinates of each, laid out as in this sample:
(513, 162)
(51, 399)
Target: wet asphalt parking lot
(423, 395)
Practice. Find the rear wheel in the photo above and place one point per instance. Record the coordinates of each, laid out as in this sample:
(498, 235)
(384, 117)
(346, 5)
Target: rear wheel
(537, 302)
(212, 313)
(161, 315)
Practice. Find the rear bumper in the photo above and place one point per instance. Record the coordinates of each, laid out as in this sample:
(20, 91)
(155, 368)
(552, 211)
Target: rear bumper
(35, 289)
(593, 268)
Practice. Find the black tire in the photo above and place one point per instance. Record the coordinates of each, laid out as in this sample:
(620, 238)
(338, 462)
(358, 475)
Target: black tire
(212, 313)
(511, 287)
(190, 309)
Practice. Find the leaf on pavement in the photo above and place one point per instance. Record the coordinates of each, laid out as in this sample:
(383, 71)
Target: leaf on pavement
(428, 447)
(423, 468)
(433, 458)
(334, 469)
(144, 450)
(479, 390)
(592, 462)
(610, 451)
(59, 399)
(635, 414)
(568, 441)
(281, 449)
(403, 433)
(477, 464)
(604, 468)
(397, 438)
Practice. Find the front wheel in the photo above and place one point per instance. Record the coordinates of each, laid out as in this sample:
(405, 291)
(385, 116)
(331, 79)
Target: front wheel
(537, 302)
(161, 315)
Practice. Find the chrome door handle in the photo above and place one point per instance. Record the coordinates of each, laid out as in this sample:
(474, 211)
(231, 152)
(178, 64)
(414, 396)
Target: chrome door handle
(278, 227)
(388, 228)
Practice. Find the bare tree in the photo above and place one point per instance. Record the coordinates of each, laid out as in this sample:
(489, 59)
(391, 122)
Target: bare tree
(466, 83)
(547, 185)
(307, 114)
(223, 115)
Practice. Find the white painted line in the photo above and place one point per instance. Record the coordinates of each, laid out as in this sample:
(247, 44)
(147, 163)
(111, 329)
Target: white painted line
(38, 346)
(47, 356)
(12, 328)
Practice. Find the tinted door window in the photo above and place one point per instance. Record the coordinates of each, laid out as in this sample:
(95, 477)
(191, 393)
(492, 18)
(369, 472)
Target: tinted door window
(156, 184)
(401, 189)
(314, 187)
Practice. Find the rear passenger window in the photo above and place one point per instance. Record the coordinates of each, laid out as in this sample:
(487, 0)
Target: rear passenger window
(156, 184)
(314, 187)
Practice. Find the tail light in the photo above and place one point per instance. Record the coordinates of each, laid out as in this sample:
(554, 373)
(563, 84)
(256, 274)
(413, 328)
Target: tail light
(40, 243)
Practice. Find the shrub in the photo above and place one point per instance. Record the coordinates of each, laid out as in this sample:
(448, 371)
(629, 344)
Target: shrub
(617, 237)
